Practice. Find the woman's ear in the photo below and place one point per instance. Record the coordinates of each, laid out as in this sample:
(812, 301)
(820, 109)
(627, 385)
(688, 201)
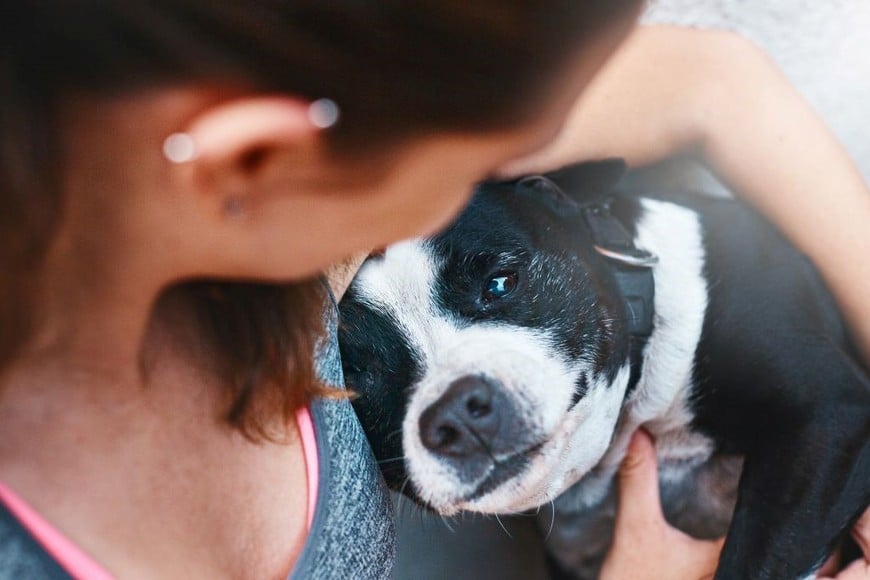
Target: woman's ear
(224, 153)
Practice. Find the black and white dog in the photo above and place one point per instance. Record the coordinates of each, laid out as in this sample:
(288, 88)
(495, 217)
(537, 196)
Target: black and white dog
(506, 362)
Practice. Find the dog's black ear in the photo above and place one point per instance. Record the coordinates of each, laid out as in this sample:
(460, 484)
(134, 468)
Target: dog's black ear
(544, 190)
(586, 183)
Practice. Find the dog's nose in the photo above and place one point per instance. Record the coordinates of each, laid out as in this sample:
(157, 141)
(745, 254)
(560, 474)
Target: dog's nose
(463, 422)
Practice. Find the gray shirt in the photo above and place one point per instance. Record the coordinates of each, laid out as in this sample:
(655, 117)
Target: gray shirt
(353, 533)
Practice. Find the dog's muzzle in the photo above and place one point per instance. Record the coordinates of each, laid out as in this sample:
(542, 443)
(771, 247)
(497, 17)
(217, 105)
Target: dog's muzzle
(474, 427)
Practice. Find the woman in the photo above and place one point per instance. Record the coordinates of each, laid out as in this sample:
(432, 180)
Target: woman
(172, 176)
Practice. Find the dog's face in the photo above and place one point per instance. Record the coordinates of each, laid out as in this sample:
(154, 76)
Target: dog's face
(490, 361)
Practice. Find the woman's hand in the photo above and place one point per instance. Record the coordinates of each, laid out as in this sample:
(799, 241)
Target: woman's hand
(859, 569)
(644, 544)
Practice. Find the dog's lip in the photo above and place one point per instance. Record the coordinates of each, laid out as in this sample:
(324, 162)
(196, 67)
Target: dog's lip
(502, 471)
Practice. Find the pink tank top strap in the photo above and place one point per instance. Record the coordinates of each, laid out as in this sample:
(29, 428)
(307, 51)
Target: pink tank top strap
(312, 466)
(69, 556)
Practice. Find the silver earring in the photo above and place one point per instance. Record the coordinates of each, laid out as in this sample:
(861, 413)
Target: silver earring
(324, 113)
(179, 148)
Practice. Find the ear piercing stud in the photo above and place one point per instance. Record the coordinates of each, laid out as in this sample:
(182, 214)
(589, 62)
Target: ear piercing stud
(324, 113)
(179, 148)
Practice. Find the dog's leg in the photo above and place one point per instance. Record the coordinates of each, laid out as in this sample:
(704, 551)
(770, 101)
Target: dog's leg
(806, 477)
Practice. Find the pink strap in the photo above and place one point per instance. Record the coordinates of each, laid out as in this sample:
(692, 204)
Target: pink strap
(64, 552)
(309, 447)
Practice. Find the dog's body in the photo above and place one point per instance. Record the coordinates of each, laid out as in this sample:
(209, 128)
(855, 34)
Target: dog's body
(496, 372)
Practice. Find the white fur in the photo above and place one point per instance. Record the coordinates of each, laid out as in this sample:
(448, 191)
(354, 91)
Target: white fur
(660, 400)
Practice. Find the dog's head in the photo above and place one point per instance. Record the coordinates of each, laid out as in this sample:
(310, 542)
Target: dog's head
(490, 361)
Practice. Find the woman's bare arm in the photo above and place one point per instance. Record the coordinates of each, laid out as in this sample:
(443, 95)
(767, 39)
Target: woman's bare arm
(672, 90)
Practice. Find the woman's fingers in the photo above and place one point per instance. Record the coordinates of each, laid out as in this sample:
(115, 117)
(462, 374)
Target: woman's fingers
(830, 567)
(639, 503)
(645, 546)
(861, 533)
(859, 569)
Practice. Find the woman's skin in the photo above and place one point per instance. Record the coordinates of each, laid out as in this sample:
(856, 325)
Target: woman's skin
(646, 547)
(137, 468)
(672, 90)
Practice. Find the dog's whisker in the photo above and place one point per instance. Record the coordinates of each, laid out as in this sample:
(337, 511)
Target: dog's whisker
(403, 498)
(382, 461)
(552, 519)
(447, 524)
(498, 519)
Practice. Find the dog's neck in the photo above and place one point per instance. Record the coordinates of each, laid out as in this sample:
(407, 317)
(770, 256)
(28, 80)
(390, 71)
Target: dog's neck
(660, 401)
(632, 269)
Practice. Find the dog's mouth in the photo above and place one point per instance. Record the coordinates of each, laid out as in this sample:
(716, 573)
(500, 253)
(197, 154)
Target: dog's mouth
(502, 471)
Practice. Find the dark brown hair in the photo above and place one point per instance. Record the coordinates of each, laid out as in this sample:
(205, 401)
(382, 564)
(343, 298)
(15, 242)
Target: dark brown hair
(398, 68)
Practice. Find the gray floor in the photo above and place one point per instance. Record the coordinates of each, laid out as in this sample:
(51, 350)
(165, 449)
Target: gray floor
(477, 547)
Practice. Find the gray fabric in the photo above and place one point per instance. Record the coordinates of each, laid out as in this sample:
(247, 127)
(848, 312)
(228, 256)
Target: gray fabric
(21, 557)
(823, 47)
(353, 533)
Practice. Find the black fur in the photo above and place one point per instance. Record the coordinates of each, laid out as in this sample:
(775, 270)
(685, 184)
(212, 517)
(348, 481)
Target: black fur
(775, 378)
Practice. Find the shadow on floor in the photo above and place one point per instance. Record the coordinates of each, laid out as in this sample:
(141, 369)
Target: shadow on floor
(478, 548)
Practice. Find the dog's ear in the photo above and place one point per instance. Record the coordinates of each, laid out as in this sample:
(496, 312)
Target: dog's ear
(544, 190)
(573, 187)
(586, 183)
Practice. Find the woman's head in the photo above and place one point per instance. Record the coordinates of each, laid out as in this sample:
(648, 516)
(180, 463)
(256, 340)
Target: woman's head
(433, 95)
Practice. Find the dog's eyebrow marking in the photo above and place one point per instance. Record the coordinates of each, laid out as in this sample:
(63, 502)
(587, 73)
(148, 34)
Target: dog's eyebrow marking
(402, 284)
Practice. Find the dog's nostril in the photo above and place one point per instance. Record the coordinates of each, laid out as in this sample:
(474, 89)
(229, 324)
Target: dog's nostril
(478, 408)
(445, 436)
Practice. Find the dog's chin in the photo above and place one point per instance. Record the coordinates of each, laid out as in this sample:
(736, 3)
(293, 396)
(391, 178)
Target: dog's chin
(540, 480)
(502, 500)
(511, 496)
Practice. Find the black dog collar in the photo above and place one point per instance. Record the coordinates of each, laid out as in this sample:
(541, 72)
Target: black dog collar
(632, 269)
(631, 265)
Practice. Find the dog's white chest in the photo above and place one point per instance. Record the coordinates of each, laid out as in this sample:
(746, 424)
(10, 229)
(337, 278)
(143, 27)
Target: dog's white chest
(660, 402)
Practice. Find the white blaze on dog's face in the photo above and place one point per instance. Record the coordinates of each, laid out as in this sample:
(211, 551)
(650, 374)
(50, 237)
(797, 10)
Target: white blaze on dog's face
(490, 370)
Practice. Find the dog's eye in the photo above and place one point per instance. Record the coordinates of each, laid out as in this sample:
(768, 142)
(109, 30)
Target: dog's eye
(500, 286)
